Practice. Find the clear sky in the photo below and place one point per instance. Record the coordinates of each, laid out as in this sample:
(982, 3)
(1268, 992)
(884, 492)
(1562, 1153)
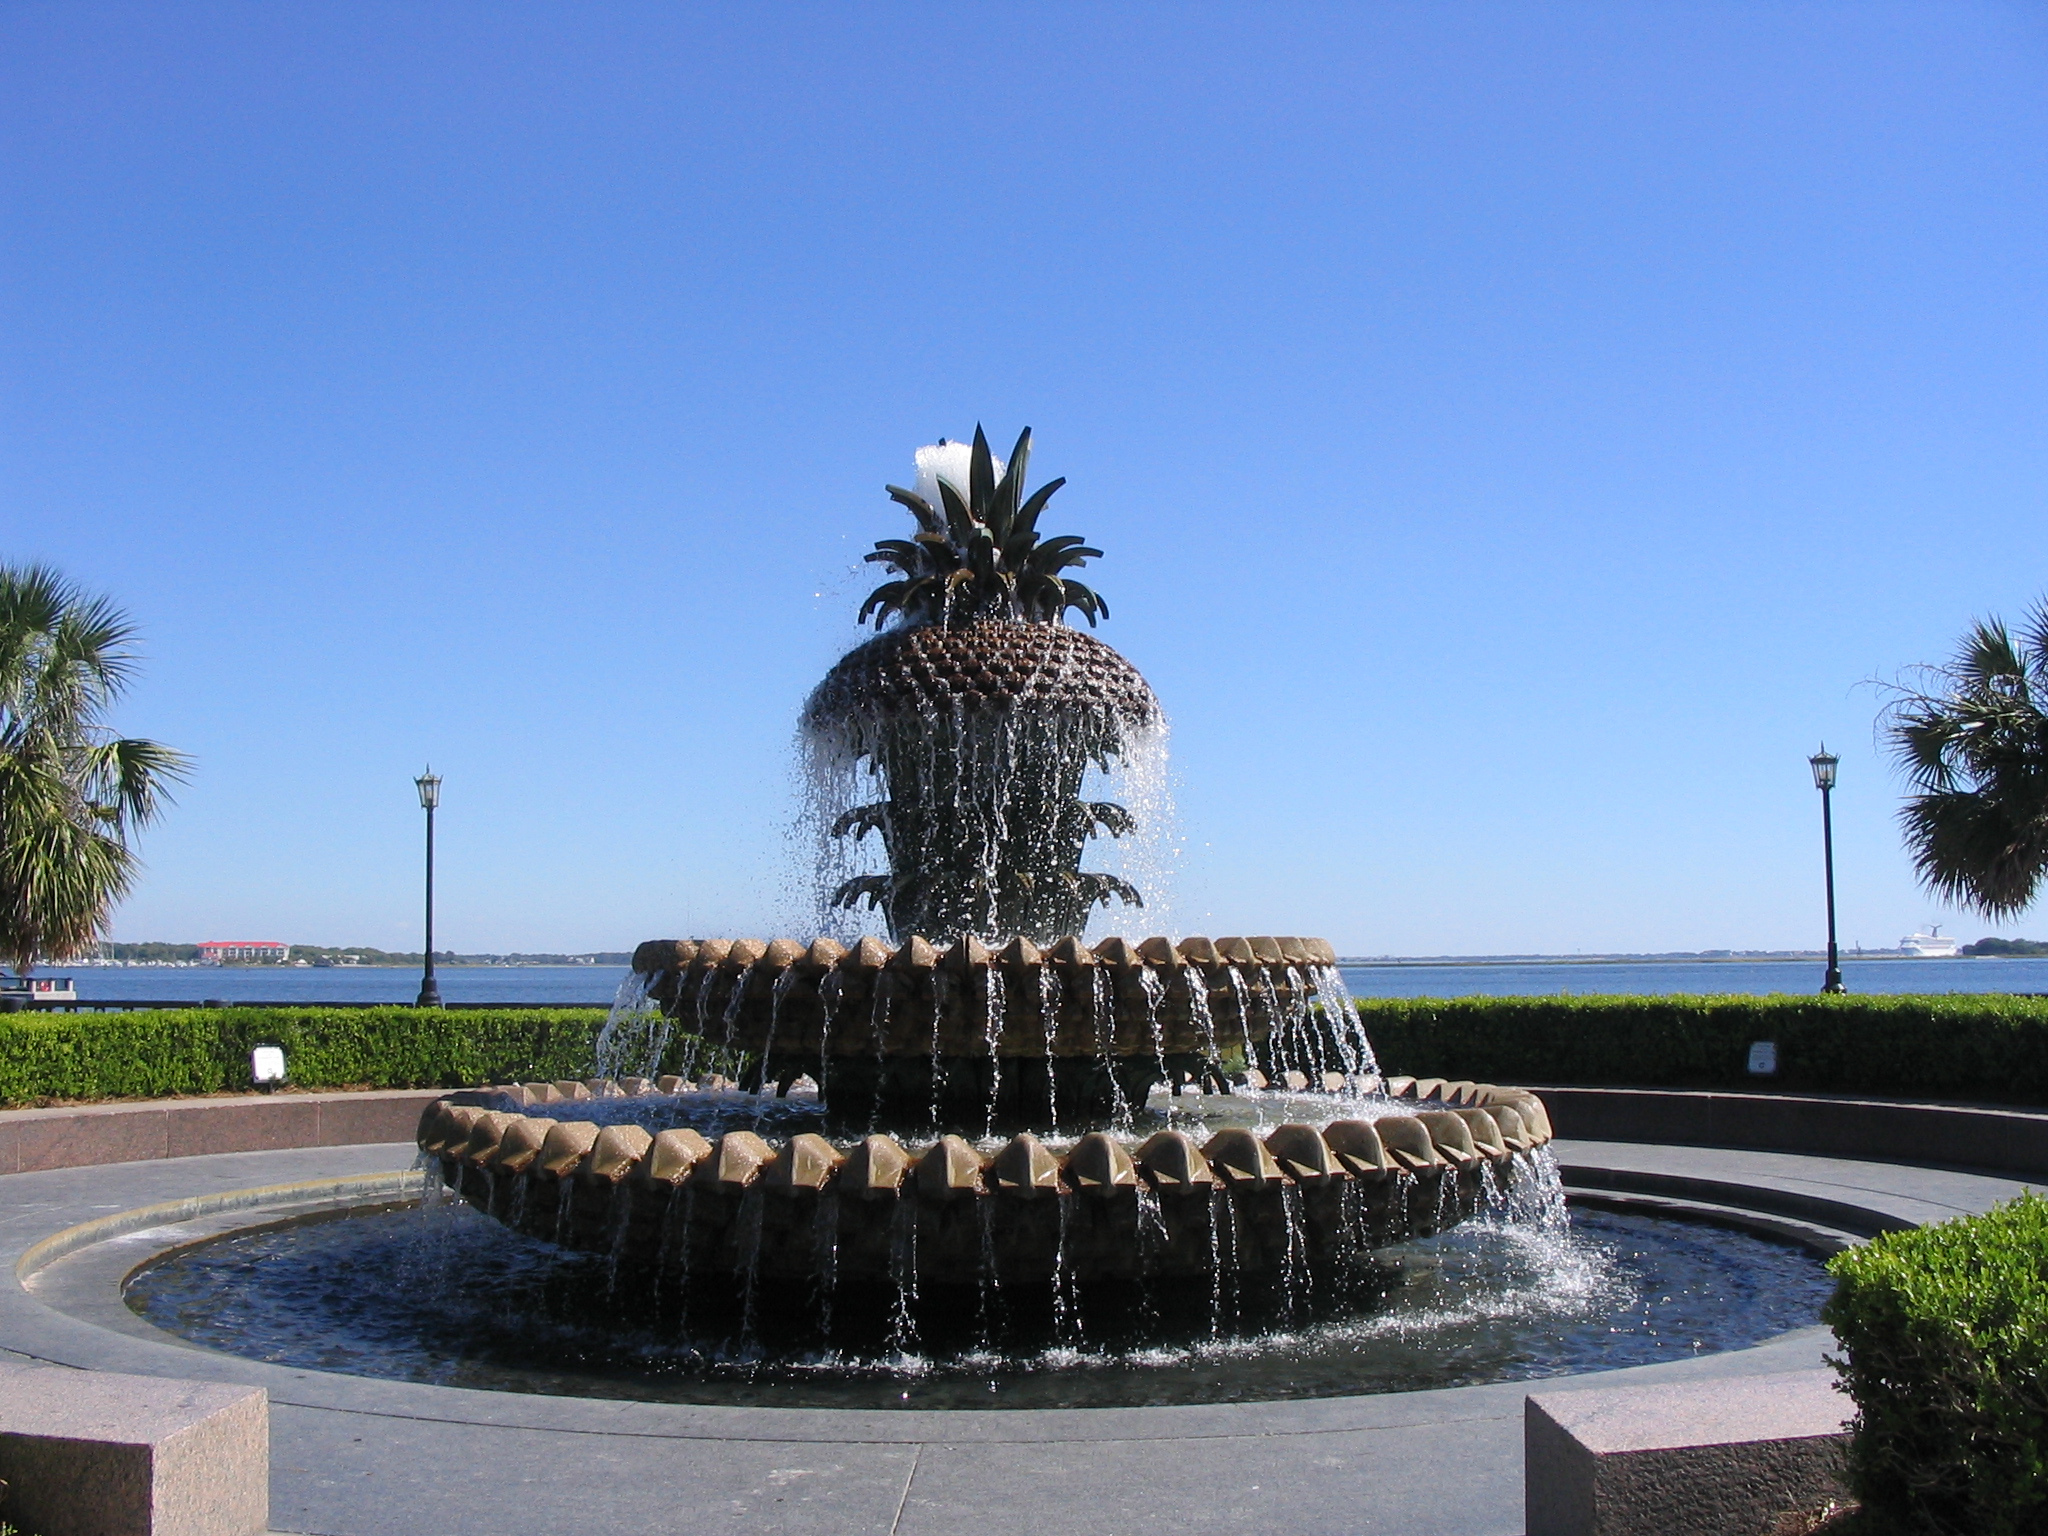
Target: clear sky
(1515, 430)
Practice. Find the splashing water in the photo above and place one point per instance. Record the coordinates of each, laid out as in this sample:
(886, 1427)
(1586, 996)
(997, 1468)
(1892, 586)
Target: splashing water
(636, 1032)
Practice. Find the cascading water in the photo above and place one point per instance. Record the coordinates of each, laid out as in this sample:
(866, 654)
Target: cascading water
(636, 1033)
(959, 766)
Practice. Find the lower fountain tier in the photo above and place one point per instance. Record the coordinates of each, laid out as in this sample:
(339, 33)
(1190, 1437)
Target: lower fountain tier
(1222, 1001)
(679, 1204)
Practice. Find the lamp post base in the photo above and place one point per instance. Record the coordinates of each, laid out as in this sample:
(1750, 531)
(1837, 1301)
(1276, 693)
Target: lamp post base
(430, 994)
(1832, 984)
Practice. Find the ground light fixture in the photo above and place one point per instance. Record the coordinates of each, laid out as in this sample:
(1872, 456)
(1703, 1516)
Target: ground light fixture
(1824, 764)
(266, 1066)
(429, 786)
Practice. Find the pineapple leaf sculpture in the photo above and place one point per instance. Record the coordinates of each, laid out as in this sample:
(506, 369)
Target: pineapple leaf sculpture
(983, 557)
(979, 710)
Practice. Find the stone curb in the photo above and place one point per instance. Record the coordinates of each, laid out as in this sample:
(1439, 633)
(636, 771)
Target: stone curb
(57, 1245)
(38, 1140)
(2006, 1138)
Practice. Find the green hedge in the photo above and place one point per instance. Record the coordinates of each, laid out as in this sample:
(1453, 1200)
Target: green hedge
(1945, 1332)
(153, 1053)
(1952, 1047)
(1972, 1047)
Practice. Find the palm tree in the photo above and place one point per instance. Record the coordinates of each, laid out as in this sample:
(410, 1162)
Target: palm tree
(1973, 739)
(72, 793)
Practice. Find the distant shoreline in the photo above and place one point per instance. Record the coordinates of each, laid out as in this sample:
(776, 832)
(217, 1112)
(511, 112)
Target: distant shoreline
(1349, 962)
(1766, 957)
(364, 965)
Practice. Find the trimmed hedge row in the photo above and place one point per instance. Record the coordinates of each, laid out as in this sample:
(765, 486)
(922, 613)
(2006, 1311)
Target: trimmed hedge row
(1956, 1046)
(1945, 1332)
(1987, 1047)
(159, 1052)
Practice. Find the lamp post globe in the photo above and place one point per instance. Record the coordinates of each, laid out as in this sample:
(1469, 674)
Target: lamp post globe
(1823, 763)
(429, 786)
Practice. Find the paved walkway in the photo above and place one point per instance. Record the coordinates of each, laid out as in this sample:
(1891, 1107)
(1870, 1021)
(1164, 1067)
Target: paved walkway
(357, 1457)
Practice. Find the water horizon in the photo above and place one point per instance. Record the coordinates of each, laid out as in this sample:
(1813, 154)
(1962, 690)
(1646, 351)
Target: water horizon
(595, 985)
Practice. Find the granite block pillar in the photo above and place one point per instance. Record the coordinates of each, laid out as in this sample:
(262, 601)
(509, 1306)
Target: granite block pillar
(90, 1453)
(1710, 1458)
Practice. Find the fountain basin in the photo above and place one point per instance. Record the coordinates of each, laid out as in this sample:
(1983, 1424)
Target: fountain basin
(1380, 1170)
(1178, 1465)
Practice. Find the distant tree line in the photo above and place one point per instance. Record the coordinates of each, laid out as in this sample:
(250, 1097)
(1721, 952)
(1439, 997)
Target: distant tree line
(158, 954)
(2005, 947)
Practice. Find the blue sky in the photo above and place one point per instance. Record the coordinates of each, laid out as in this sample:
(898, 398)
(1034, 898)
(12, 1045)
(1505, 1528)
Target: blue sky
(1515, 430)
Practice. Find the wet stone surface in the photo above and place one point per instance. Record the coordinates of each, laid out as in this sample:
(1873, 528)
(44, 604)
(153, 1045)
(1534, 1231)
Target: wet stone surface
(441, 1294)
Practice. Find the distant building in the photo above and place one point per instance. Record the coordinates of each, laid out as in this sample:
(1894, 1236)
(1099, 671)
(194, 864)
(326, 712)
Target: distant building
(243, 949)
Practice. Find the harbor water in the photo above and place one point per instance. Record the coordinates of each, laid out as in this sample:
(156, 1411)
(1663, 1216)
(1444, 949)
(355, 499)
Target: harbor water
(596, 985)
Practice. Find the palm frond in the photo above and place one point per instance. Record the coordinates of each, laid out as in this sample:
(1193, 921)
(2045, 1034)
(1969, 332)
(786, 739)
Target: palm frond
(1976, 851)
(60, 872)
(1972, 739)
(133, 778)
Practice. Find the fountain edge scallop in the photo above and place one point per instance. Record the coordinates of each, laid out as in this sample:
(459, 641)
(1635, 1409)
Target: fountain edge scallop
(680, 1203)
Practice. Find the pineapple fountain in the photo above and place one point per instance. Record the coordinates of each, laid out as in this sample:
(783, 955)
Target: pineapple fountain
(986, 1100)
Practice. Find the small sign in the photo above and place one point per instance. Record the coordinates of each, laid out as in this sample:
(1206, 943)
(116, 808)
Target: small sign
(266, 1064)
(1763, 1058)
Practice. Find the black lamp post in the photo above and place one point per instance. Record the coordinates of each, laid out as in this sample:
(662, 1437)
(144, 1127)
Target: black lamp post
(1823, 764)
(429, 786)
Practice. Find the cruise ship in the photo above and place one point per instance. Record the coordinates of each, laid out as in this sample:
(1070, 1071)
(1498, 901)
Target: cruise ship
(1931, 945)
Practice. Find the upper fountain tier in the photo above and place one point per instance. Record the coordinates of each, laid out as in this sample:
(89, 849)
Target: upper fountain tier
(1016, 1032)
(1214, 999)
(978, 714)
